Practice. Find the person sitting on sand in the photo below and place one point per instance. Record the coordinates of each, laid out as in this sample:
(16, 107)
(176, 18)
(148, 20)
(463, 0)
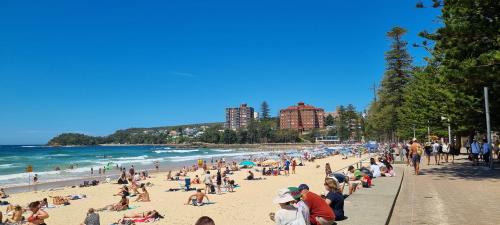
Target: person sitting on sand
(205, 220)
(92, 218)
(197, 199)
(144, 196)
(250, 175)
(44, 203)
(37, 216)
(196, 180)
(17, 215)
(3, 194)
(123, 191)
(123, 179)
(123, 204)
(169, 175)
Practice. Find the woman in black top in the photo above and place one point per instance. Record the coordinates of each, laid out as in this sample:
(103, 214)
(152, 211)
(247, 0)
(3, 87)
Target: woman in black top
(335, 199)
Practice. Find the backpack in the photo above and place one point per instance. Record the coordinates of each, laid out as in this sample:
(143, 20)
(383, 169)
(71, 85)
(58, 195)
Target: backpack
(420, 150)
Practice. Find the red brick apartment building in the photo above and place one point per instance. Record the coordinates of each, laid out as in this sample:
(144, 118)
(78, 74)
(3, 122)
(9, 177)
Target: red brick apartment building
(302, 117)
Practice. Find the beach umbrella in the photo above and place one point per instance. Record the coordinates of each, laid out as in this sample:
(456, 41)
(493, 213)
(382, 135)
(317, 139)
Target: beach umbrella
(247, 163)
(269, 162)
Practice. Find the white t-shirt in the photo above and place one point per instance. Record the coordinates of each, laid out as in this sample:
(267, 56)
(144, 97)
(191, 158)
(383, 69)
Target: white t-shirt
(435, 147)
(207, 179)
(375, 170)
(446, 148)
(289, 216)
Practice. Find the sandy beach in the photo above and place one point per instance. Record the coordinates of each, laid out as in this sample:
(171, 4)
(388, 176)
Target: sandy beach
(250, 204)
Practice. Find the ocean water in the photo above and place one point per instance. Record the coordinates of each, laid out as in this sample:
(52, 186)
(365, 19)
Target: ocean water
(44, 159)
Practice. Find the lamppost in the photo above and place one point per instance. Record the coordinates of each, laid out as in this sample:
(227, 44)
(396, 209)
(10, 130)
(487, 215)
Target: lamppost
(449, 128)
(428, 131)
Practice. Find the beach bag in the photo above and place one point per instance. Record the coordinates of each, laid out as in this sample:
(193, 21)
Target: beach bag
(212, 189)
(420, 151)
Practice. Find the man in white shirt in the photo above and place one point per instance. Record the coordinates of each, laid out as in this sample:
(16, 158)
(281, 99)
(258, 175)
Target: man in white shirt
(435, 152)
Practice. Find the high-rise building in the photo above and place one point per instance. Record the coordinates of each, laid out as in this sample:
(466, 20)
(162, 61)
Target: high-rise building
(302, 117)
(237, 118)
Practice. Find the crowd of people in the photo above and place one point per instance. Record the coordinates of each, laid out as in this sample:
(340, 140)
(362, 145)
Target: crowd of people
(216, 179)
(300, 206)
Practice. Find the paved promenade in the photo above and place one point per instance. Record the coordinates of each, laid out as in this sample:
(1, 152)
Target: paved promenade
(449, 194)
(372, 205)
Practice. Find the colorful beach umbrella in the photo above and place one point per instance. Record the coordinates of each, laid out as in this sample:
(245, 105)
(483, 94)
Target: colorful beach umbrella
(247, 163)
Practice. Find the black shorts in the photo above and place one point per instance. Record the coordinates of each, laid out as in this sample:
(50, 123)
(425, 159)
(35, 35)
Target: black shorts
(475, 155)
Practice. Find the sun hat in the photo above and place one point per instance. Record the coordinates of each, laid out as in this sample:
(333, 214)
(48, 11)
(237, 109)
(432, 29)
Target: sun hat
(294, 191)
(283, 196)
(303, 187)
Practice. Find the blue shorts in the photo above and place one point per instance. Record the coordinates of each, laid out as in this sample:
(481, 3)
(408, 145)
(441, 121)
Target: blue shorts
(415, 158)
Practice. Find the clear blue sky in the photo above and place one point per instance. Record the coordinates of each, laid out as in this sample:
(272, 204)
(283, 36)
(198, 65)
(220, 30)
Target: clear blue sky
(98, 66)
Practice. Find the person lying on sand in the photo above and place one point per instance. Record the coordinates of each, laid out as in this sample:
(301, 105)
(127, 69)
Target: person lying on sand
(197, 199)
(3, 194)
(144, 217)
(144, 196)
(147, 215)
(57, 200)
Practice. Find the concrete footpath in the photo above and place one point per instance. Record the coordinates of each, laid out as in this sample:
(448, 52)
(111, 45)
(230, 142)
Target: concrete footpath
(373, 205)
(449, 194)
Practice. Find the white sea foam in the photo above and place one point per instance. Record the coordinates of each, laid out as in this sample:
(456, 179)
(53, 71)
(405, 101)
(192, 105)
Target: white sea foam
(25, 175)
(9, 165)
(223, 150)
(59, 155)
(195, 157)
(176, 151)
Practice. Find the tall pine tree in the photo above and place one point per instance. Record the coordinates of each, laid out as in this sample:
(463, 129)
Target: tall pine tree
(383, 114)
(264, 111)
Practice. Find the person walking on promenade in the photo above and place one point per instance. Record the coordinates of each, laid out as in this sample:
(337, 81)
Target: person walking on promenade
(454, 150)
(486, 151)
(446, 151)
(428, 152)
(475, 149)
(435, 152)
(416, 154)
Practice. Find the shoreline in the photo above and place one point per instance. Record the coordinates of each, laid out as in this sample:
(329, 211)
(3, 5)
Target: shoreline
(264, 146)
